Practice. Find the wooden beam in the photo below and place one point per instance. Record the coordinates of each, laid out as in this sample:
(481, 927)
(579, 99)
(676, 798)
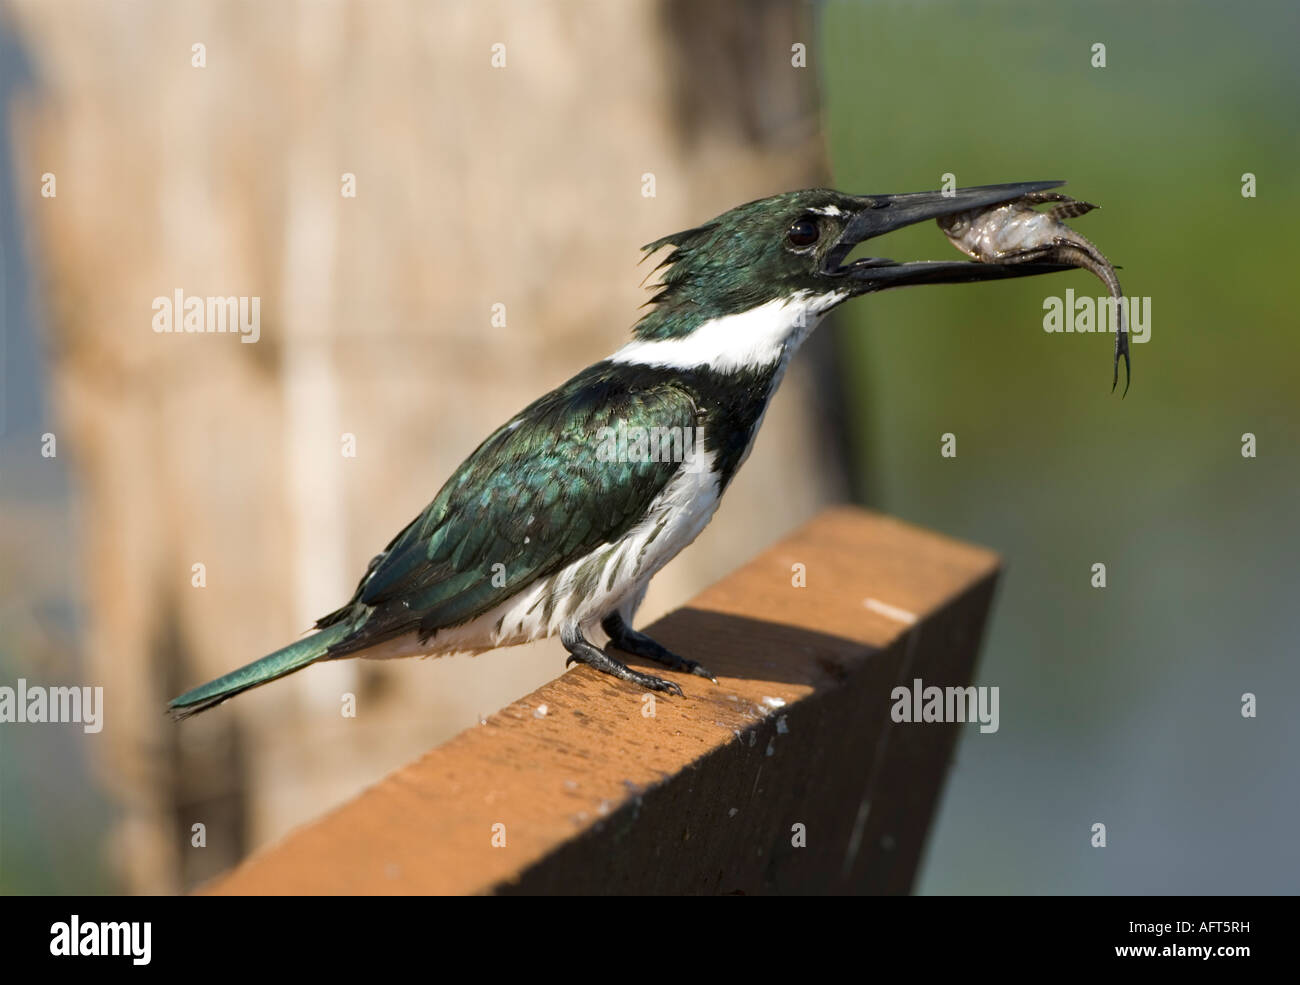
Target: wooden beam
(589, 785)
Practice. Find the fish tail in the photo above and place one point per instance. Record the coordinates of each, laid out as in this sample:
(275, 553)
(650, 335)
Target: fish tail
(1081, 253)
(282, 662)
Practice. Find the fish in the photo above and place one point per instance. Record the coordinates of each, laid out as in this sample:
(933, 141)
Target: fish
(1016, 232)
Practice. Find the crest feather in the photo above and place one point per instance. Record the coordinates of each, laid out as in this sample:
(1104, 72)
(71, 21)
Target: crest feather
(684, 245)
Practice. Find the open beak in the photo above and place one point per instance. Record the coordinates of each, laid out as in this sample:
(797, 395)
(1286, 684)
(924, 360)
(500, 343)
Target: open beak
(880, 214)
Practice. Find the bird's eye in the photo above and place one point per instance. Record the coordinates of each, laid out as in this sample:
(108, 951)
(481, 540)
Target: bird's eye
(803, 233)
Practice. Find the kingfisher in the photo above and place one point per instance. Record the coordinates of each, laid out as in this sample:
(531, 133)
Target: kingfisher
(556, 523)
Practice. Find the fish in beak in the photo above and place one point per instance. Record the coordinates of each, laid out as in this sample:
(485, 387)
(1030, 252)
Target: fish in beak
(881, 214)
(1016, 232)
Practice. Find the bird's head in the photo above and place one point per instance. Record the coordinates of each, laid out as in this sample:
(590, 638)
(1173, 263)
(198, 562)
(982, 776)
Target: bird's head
(772, 266)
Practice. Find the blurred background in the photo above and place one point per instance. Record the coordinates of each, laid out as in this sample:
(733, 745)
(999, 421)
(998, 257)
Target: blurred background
(490, 251)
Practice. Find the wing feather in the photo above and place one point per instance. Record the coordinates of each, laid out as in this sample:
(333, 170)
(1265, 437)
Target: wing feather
(534, 497)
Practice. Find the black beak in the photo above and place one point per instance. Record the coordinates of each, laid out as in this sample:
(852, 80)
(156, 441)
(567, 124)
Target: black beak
(881, 214)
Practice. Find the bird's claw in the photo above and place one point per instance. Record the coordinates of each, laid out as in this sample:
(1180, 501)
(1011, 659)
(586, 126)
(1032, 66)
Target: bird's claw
(652, 683)
(630, 641)
(698, 669)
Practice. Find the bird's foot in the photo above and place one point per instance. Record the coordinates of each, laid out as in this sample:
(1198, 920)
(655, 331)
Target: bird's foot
(630, 641)
(583, 652)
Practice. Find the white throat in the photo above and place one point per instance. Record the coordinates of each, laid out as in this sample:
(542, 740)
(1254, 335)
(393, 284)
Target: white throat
(755, 339)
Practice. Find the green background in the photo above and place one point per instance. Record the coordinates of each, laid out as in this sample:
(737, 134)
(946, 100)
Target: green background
(1123, 705)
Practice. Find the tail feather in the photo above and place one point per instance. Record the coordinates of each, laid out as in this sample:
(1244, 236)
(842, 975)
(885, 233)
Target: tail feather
(282, 662)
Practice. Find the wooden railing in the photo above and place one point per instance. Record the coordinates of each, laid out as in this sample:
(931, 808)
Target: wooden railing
(788, 775)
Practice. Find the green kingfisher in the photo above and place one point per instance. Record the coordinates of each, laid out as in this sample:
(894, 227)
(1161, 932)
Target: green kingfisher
(556, 523)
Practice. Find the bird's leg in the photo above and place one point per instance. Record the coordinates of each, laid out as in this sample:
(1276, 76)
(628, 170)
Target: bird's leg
(583, 652)
(630, 641)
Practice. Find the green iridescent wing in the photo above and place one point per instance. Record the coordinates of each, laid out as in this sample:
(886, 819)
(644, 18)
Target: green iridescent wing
(537, 495)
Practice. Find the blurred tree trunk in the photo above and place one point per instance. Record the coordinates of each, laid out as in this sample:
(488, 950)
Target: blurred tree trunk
(476, 186)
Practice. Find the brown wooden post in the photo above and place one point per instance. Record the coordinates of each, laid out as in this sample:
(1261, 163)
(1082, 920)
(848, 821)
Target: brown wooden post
(589, 785)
